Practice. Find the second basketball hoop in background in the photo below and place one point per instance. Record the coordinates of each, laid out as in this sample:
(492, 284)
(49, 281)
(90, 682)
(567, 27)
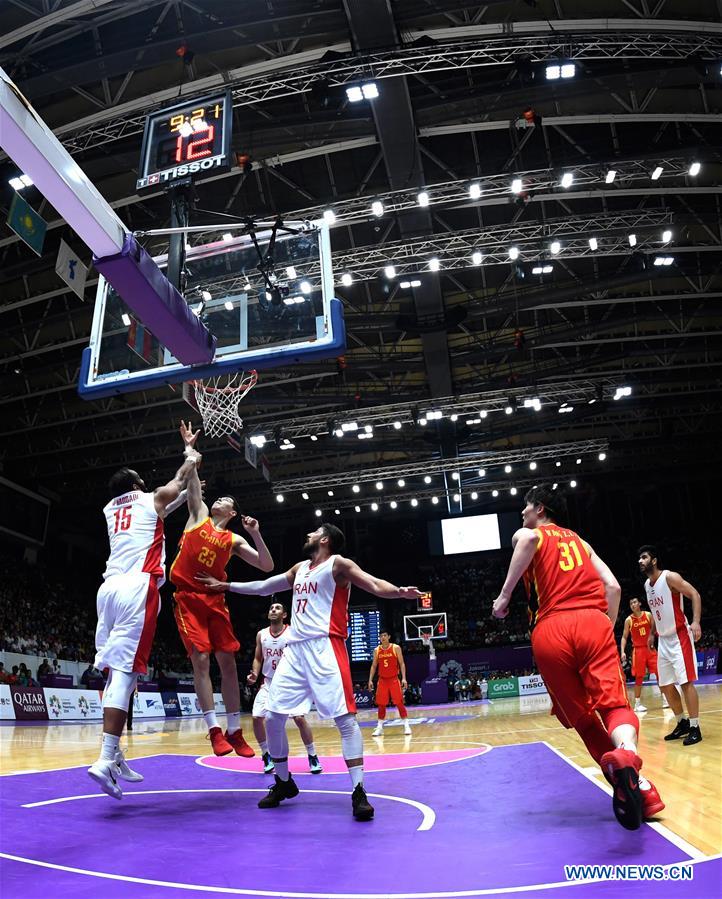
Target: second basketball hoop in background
(217, 399)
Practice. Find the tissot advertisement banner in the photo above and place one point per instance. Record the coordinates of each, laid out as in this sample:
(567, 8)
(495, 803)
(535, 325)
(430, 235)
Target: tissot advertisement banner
(29, 703)
(79, 705)
(171, 705)
(503, 687)
(7, 710)
(534, 683)
(148, 705)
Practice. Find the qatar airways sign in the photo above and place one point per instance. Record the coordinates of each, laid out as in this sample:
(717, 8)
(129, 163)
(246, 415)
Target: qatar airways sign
(29, 703)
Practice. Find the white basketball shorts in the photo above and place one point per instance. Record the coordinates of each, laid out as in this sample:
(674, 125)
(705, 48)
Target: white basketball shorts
(260, 703)
(128, 606)
(315, 671)
(676, 658)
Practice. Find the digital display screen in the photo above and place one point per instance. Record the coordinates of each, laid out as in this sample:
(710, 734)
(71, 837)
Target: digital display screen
(363, 638)
(192, 139)
(476, 533)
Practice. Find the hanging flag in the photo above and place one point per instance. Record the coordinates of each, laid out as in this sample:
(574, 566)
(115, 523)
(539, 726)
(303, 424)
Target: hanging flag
(71, 269)
(251, 453)
(140, 340)
(27, 224)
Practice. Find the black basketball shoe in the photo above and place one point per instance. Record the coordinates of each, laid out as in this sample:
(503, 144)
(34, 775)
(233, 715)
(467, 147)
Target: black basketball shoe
(362, 808)
(694, 736)
(680, 730)
(282, 789)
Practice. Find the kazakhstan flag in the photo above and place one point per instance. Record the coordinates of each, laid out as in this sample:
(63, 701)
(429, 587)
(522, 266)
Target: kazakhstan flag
(27, 224)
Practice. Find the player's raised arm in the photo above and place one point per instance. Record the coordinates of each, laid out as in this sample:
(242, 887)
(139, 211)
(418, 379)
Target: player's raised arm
(625, 637)
(260, 557)
(402, 665)
(276, 584)
(612, 590)
(676, 582)
(169, 493)
(257, 661)
(525, 542)
(347, 571)
(374, 665)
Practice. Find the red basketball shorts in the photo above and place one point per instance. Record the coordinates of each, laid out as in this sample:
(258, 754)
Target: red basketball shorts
(644, 660)
(577, 657)
(388, 689)
(204, 622)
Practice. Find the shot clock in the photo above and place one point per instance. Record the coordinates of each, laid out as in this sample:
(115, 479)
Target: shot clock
(189, 140)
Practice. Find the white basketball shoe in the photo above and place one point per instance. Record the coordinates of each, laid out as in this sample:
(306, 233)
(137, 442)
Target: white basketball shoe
(125, 771)
(379, 731)
(106, 773)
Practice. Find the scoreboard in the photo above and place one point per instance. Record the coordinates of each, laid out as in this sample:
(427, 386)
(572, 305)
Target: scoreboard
(191, 139)
(363, 638)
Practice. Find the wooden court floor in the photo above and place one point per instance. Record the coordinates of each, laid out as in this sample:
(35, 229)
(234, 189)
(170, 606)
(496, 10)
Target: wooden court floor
(688, 778)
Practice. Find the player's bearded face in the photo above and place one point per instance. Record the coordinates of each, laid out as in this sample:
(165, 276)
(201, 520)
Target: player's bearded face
(312, 543)
(645, 563)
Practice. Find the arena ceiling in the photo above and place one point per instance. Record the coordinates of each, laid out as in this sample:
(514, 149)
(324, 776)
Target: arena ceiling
(454, 80)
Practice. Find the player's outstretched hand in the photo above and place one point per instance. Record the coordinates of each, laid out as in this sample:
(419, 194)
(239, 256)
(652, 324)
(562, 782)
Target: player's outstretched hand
(696, 631)
(410, 593)
(252, 677)
(188, 436)
(250, 524)
(212, 583)
(500, 608)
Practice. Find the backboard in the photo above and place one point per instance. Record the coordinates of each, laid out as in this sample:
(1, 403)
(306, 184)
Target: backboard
(266, 295)
(432, 624)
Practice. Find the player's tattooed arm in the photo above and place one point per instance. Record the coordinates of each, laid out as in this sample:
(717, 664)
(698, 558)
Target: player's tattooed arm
(260, 557)
(374, 665)
(525, 542)
(257, 661)
(346, 571)
(612, 590)
(676, 582)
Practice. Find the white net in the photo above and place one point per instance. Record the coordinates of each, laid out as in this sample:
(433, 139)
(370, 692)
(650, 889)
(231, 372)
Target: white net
(218, 399)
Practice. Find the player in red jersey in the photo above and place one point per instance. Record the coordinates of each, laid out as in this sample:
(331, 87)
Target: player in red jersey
(644, 657)
(389, 660)
(203, 620)
(574, 646)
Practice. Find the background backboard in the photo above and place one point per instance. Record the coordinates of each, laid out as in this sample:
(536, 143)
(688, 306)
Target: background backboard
(268, 302)
(433, 624)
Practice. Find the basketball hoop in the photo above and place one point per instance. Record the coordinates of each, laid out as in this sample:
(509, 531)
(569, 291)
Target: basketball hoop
(428, 643)
(218, 399)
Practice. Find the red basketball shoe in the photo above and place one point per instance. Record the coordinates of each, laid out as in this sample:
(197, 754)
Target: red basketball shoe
(238, 742)
(621, 768)
(220, 745)
(651, 801)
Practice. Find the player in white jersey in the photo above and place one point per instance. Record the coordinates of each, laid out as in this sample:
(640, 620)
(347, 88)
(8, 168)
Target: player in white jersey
(315, 663)
(676, 659)
(270, 643)
(128, 601)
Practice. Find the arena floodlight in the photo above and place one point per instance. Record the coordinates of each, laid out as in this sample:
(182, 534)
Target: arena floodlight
(611, 175)
(390, 272)
(374, 507)
(455, 475)
(330, 492)
(125, 318)
(228, 305)
(20, 181)
(422, 198)
(516, 186)
(435, 500)
(656, 174)
(513, 253)
(346, 279)
(593, 243)
(507, 468)
(553, 72)
(393, 504)
(318, 513)
(377, 208)
(370, 90)
(532, 466)
(475, 495)
(567, 179)
(427, 479)
(414, 502)
(354, 94)
(401, 482)
(290, 272)
(227, 237)
(397, 425)
(434, 264)
(483, 413)
(457, 498)
(379, 485)
(357, 508)
(602, 457)
(279, 497)
(305, 287)
(356, 488)
(572, 483)
(666, 236)
(304, 495)
(329, 216)
(474, 191)
(482, 472)
(694, 169)
(494, 492)
(568, 70)
(513, 491)
(555, 247)
(632, 240)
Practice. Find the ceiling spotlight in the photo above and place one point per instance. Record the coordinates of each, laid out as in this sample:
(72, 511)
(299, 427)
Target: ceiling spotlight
(632, 240)
(377, 208)
(227, 237)
(513, 253)
(455, 475)
(483, 413)
(279, 497)
(346, 279)
(435, 500)
(494, 492)
(593, 243)
(434, 264)
(476, 257)
(475, 495)
(513, 491)
(579, 461)
(482, 472)
(374, 507)
(330, 492)
(357, 508)
(532, 466)
(422, 422)
(427, 479)
(475, 189)
(404, 285)
(507, 469)
(125, 318)
(258, 440)
(354, 94)
(453, 417)
(572, 483)
(663, 260)
(457, 498)
(422, 198)
(390, 272)
(568, 70)
(290, 272)
(567, 179)
(666, 236)
(314, 437)
(414, 502)
(379, 485)
(558, 464)
(401, 482)
(305, 287)
(555, 247)
(516, 186)
(621, 392)
(329, 216)
(393, 504)
(304, 495)
(611, 175)
(694, 169)
(228, 305)
(508, 410)
(553, 73)
(397, 425)
(656, 173)
(356, 488)
(318, 513)
(602, 457)
(20, 181)
(370, 90)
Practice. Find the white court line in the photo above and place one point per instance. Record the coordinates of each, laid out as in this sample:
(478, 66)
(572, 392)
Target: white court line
(70, 767)
(427, 813)
(661, 829)
(287, 894)
(483, 749)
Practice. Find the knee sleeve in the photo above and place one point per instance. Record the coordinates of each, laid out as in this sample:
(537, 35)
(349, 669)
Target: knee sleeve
(276, 735)
(119, 689)
(352, 744)
(613, 718)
